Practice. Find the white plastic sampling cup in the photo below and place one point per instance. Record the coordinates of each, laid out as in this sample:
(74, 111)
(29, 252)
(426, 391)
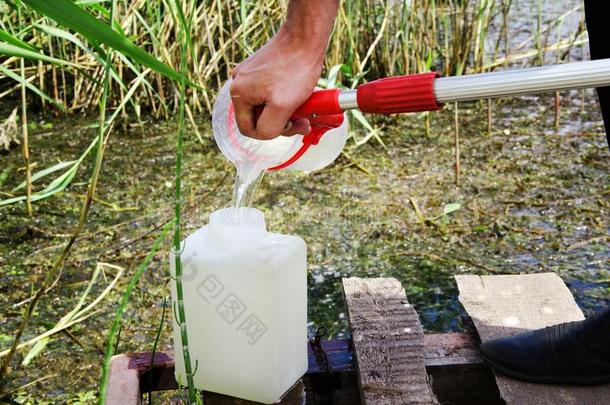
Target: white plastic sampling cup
(252, 155)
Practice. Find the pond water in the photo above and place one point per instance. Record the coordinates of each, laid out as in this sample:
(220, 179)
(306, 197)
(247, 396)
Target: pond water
(532, 200)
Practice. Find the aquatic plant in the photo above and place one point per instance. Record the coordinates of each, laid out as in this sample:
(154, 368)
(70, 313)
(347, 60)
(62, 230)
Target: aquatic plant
(179, 311)
(66, 12)
(113, 334)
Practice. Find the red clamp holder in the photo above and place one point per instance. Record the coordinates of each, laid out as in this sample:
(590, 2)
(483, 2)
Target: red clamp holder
(319, 126)
(324, 113)
(321, 102)
(400, 94)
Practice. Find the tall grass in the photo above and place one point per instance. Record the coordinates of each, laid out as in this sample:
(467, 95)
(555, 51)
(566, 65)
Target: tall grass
(97, 33)
(113, 334)
(52, 276)
(374, 37)
(25, 146)
(179, 309)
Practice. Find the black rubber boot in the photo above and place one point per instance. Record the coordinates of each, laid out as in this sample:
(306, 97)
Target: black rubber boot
(568, 353)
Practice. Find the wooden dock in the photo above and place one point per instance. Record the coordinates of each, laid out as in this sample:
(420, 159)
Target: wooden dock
(390, 360)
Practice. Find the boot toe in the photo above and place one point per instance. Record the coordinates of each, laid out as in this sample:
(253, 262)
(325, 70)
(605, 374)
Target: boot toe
(567, 353)
(516, 355)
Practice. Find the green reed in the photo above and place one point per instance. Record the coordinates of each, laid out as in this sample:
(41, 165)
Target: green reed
(52, 276)
(185, 41)
(113, 334)
(373, 37)
(66, 12)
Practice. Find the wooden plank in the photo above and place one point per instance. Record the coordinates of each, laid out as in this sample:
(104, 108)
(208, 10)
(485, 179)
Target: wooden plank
(123, 382)
(450, 349)
(132, 374)
(507, 305)
(452, 362)
(441, 351)
(458, 374)
(388, 343)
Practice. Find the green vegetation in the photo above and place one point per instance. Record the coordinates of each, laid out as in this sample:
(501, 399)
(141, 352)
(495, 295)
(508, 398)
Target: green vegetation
(86, 205)
(373, 37)
(179, 311)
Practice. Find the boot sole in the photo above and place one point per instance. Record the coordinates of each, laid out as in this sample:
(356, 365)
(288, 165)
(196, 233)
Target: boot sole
(572, 380)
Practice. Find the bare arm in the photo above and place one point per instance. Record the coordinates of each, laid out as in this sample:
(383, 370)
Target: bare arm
(283, 73)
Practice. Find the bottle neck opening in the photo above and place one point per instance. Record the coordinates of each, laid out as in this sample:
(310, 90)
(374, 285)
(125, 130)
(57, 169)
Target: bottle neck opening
(237, 223)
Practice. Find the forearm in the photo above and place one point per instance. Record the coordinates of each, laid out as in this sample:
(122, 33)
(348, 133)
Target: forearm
(309, 24)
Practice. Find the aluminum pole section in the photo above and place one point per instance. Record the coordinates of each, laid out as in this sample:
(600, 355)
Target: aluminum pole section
(574, 75)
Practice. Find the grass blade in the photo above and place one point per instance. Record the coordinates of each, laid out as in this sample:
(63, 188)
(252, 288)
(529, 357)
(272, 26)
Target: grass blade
(14, 50)
(45, 172)
(58, 184)
(116, 323)
(74, 313)
(31, 87)
(6, 37)
(68, 14)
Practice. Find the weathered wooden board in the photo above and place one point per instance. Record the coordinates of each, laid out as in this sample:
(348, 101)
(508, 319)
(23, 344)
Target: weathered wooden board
(134, 373)
(452, 362)
(458, 375)
(123, 382)
(506, 305)
(443, 350)
(388, 343)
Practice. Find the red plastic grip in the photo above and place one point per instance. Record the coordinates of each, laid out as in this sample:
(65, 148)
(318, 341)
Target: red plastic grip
(400, 94)
(323, 112)
(321, 102)
(319, 126)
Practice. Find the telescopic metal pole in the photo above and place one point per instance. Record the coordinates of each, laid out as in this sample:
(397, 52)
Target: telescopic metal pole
(505, 83)
(567, 76)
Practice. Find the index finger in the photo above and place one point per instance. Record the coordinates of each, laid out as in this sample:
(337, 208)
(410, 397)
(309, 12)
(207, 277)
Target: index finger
(244, 116)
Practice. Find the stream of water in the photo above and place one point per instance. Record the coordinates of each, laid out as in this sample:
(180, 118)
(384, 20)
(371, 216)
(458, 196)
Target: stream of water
(245, 188)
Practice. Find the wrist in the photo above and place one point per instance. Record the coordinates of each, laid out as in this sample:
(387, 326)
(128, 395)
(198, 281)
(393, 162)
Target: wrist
(310, 42)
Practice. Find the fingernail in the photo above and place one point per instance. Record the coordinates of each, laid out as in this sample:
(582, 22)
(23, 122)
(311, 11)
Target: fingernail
(288, 126)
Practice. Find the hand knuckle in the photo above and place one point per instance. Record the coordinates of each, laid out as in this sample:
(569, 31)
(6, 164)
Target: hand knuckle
(236, 87)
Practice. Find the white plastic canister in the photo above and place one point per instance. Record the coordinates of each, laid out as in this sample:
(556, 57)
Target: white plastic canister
(245, 299)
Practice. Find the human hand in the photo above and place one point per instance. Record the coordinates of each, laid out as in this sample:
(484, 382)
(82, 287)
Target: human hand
(281, 75)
